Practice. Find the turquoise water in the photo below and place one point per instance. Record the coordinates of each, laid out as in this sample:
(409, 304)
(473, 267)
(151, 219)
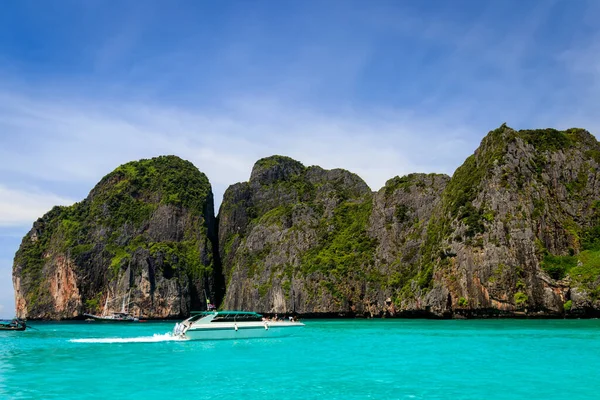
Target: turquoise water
(342, 359)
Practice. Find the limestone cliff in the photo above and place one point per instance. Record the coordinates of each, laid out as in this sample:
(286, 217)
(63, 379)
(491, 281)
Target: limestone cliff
(144, 236)
(312, 241)
(294, 239)
(402, 210)
(515, 231)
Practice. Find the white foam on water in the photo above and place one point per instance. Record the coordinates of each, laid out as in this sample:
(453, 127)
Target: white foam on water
(167, 337)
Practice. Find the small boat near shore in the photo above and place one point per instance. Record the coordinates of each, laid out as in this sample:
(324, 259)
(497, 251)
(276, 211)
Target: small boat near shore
(15, 324)
(215, 325)
(114, 317)
(120, 316)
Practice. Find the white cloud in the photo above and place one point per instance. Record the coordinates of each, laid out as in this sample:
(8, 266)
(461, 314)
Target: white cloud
(7, 300)
(77, 141)
(22, 207)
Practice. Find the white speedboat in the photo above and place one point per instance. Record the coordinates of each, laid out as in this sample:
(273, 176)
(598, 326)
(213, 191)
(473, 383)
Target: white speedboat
(213, 325)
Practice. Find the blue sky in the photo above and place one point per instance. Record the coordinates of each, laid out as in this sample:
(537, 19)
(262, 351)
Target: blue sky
(379, 88)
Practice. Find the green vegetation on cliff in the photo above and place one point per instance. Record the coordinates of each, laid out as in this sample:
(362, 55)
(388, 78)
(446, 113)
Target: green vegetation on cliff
(517, 162)
(523, 207)
(286, 204)
(134, 190)
(345, 248)
(118, 219)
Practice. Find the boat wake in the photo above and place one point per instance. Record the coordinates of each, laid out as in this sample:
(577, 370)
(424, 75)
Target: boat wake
(167, 337)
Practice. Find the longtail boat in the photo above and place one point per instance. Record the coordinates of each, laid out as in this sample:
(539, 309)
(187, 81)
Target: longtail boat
(15, 324)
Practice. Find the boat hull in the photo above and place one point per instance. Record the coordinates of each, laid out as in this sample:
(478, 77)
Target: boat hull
(15, 325)
(244, 330)
(110, 319)
(20, 328)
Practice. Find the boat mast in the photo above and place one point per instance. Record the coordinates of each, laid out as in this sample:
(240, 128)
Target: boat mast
(105, 304)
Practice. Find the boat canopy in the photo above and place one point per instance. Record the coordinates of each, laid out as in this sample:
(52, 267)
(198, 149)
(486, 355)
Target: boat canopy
(228, 315)
(225, 312)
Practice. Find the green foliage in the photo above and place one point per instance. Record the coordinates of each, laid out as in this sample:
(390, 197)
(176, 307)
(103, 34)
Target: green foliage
(568, 305)
(577, 185)
(488, 216)
(276, 215)
(473, 218)
(404, 183)
(29, 259)
(538, 208)
(462, 302)
(547, 139)
(590, 239)
(587, 271)
(539, 162)
(263, 289)
(402, 213)
(121, 257)
(464, 185)
(303, 188)
(92, 304)
(436, 229)
(229, 243)
(80, 249)
(184, 256)
(113, 218)
(461, 191)
(558, 266)
(594, 154)
(346, 247)
(286, 286)
(272, 161)
(521, 299)
(131, 192)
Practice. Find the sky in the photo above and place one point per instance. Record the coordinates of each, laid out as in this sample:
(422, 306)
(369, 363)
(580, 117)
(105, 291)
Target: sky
(380, 88)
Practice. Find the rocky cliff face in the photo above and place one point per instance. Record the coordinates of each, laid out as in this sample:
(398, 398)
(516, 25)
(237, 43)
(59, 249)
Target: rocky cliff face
(143, 238)
(402, 210)
(514, 232)
(294, 239)
(312, 241)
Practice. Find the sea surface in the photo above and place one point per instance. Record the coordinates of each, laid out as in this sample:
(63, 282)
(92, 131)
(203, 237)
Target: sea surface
(329, 359)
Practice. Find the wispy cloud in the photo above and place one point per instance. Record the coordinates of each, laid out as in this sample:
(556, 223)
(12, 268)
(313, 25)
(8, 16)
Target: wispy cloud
(6, 289)
(82, 141)
(22, 207)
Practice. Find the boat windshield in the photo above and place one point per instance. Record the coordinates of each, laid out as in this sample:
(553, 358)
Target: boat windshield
(232, 316)
(227, 316)
(197, 317)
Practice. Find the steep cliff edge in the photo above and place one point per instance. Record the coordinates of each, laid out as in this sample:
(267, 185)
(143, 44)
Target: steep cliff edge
(402, 210)
(294, 239)
(312, 241)
(517, 230)
(145, 234)
(514, 232)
